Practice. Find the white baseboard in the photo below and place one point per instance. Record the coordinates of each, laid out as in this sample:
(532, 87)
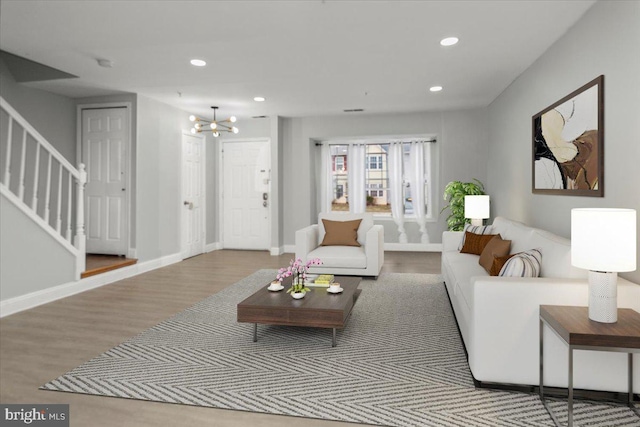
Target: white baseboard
(289, 249)
(277, 251)
(34, 299)
(413, 247)
(210, 247)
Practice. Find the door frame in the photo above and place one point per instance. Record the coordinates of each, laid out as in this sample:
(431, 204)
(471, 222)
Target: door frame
(131, 250)
(222, 141)
(203, 178)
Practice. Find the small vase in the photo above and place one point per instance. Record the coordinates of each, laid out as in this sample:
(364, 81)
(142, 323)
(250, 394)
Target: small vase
(297, 295)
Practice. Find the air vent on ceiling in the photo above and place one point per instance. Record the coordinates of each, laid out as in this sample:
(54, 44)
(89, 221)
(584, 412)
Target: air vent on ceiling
(354, 110)
(259, 117)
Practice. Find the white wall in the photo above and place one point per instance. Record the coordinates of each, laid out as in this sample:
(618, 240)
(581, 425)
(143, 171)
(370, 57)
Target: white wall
(462, 145)
(54, 116)
(31, 259)
(605, 41)
(158, 177)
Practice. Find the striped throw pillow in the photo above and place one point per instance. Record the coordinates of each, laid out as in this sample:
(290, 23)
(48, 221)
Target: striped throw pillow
(475, 229)
(523, 264)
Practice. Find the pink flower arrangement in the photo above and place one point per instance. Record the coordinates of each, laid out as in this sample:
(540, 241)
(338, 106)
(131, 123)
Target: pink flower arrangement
(298, 269)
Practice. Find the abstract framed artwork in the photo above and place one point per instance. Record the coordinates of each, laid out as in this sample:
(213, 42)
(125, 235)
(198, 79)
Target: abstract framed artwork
(568, 144)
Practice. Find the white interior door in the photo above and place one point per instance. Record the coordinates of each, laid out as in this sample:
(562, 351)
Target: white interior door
(246, 195)
(105, 142)
(193, 200)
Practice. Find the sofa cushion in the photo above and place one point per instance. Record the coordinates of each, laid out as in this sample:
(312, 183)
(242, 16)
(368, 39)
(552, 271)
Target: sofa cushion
(495, 248)
(340, 233)
(475, 229)
(475, 243)
(519, 234)
(463, 267)
(365, 225)
(556, 255)
(523, 264)
(340, 256)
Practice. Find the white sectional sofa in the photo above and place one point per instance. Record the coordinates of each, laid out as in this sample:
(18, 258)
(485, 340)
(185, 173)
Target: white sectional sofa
(498, 317)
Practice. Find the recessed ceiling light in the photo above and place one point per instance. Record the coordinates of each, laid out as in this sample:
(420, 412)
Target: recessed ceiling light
(449, 41)
(435, 88)
(106, 63)
(198, 62)
(259, 99)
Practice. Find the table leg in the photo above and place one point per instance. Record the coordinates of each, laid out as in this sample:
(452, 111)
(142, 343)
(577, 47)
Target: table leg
(255, 332)
(541, 361)
(333, 339)
(631, 405)
(570, 400)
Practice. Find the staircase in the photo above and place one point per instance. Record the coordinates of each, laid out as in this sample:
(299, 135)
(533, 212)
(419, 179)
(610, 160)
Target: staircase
(38, 180)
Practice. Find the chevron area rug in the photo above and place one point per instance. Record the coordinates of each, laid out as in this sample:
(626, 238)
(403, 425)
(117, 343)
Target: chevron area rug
(399, 362)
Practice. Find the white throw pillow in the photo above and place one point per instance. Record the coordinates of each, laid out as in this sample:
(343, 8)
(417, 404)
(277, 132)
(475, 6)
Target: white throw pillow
(523, 264)
(475, 229)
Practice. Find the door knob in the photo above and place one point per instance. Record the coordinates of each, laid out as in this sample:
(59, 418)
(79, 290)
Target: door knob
(185, 203)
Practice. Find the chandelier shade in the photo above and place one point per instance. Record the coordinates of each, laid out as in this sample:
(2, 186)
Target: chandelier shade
(215, 126)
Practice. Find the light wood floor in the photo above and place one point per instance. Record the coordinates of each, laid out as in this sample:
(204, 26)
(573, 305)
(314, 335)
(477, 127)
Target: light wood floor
(43, 343)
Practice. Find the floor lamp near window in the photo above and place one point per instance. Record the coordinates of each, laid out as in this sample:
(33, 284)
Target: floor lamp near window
(603, 241)
(476, 208)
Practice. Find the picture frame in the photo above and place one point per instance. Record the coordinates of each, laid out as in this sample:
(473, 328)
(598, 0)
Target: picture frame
(568, 144)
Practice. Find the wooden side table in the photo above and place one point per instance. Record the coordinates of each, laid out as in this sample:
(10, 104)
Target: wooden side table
(573, 326)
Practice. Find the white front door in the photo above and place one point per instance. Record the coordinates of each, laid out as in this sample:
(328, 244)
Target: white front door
(246, 195)
(193, 201)
(105, 142)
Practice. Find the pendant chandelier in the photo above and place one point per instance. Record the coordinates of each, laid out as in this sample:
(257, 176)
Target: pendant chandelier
(216, 126)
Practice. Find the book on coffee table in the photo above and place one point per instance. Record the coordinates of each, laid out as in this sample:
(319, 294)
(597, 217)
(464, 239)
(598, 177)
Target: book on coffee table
(324, 280)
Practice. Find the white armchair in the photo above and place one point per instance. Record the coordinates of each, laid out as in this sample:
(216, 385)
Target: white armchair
(364, 260)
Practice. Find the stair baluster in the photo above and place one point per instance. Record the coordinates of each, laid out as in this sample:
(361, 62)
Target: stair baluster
(7, 166)
(34, 199)
(51, 222)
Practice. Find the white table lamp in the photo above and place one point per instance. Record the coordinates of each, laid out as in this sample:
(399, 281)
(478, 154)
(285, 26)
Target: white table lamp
(603, 241)
(476, 208)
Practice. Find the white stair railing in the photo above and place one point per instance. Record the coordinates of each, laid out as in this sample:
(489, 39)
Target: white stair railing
(60, 182)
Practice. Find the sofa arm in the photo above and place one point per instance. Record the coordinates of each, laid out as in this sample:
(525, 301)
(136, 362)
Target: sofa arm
(306, 241)
(505, 328)
(451, 240)
(374, 247)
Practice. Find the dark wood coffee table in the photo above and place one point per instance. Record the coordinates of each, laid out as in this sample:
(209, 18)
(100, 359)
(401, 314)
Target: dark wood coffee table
(318, 309)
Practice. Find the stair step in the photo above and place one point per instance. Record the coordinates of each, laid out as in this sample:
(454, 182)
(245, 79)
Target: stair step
(98, 264)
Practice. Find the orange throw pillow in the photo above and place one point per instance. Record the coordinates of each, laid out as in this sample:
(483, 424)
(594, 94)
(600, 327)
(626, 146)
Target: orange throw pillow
(475, 243)
(495, 248)
(340, 233)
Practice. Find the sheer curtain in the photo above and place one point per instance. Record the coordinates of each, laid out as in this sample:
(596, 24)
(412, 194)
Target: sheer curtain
(417, 181)
(326, 183)
(397, 188)
(356, 176)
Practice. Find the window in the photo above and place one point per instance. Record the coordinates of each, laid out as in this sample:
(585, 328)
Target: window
(376, 178)
(339, 198)
(375, 163)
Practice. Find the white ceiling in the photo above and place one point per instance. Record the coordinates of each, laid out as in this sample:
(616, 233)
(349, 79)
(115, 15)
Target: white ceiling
(307, 58)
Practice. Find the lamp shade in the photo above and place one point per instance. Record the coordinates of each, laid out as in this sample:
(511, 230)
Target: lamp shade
(476, 207)
(603, 239)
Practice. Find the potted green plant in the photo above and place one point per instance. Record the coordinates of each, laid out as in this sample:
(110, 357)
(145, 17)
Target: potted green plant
(454, 194)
